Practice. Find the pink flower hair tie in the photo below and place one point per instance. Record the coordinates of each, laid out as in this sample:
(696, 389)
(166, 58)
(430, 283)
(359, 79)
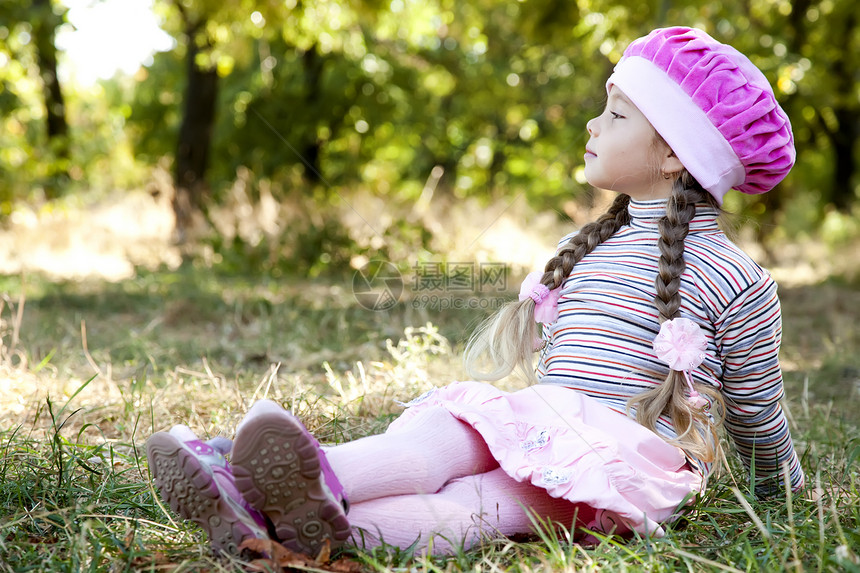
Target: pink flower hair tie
(539, 292)
(681, 344)
(546, 300)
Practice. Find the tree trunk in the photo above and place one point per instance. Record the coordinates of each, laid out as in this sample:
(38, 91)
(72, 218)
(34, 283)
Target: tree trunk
(843, 141)
(44, 28)
(847, 112)
(195, 139)
(313, 65)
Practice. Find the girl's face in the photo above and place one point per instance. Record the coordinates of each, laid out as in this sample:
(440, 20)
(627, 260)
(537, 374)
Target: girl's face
(624, 153)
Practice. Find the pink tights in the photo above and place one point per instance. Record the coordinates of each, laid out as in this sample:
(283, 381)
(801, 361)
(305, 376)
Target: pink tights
(435, 482)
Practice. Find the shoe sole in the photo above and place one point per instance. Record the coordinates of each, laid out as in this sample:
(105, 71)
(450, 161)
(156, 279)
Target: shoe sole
(192, 493)
(277, 470)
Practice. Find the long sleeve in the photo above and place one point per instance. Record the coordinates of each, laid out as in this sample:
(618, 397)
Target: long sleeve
(748, 333)
(602, 342)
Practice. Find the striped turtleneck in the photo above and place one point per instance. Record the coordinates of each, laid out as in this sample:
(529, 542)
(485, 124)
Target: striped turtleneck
(601, 344)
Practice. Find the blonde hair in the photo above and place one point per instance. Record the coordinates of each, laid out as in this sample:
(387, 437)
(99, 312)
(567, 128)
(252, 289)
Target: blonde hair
(507, 338)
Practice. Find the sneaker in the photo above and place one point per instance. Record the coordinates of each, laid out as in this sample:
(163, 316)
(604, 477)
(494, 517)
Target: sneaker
(194, 479)
(282, 472)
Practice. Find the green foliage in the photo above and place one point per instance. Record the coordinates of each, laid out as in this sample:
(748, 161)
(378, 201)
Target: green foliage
(493, 96)
(23, 153)
(478, 99)
(94, 154)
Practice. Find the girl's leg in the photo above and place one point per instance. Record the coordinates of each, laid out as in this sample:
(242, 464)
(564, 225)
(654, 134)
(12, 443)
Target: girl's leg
(435, 448)
(281, 471)
(466, 510)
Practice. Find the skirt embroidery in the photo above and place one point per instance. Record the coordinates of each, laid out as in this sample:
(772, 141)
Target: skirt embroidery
(555, 476)
(540, 441)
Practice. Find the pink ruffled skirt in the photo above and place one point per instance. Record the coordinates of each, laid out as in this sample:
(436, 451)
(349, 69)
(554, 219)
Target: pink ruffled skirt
(621, 476)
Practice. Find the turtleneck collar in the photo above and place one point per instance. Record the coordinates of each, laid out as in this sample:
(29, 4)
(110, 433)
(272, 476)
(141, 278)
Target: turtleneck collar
(646, 214)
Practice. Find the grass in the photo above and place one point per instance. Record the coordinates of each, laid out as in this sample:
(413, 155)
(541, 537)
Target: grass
(89, 370)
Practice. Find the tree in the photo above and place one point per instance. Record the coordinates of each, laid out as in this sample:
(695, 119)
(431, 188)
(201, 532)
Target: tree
(199, 107)
(810, 50)
(838, 113)
(45, 22)
(42, 18)
(215, 36)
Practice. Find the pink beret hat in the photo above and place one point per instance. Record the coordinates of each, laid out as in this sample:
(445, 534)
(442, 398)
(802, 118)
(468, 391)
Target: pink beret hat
(713, 107)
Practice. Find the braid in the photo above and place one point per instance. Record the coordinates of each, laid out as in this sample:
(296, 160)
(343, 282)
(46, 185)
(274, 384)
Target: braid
(673, 227)
(507, 337)
(670, 397)
(559, 267)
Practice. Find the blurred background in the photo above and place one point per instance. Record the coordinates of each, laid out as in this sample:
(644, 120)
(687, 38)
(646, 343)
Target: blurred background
(307, 137)
(205, 202)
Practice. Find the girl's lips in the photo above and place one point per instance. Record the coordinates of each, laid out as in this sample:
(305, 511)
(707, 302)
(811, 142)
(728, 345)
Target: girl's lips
(589, 153)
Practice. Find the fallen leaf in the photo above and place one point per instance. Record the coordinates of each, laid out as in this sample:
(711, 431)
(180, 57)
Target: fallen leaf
(273, 549)
(278, 554)
(344, 565)
(281, 558)
(263, 566)
(324, 555)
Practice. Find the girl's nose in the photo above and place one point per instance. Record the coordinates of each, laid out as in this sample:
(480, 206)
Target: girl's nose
(591, 126)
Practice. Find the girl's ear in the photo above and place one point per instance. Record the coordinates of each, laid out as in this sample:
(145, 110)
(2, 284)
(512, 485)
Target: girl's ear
(670, 164)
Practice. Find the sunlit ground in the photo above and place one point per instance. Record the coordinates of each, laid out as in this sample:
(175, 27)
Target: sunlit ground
(107, 237)
(79, 239)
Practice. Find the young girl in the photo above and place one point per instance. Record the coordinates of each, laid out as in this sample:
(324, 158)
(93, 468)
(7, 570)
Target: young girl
(656, 331)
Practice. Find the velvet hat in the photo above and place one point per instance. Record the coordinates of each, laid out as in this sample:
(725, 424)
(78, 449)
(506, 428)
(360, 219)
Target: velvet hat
(712, 106)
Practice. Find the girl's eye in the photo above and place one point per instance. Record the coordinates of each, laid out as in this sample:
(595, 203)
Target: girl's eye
(616, 115)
